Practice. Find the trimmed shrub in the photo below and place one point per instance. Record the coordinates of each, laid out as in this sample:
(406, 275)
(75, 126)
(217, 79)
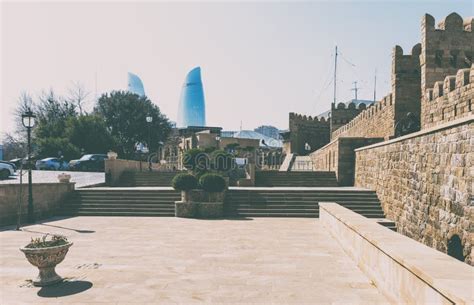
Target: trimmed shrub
(184, 182)
(221, 161)
(195, 160)
(212, 183)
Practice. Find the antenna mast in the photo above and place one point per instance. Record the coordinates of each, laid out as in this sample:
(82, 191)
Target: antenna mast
(355, 89)
(375, 84)
(335, 76)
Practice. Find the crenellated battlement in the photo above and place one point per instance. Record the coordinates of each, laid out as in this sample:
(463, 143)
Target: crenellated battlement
(350, 106)
(449, 99)
(452, 23)
(445, 49)
(303, 119)
(451, 83)
(406, 63)
(374, 121)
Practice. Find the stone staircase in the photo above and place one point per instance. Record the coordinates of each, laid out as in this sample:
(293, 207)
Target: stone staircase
(146, 178)
(295, 179)
(119, 202)
(267, 202)
(286, 165)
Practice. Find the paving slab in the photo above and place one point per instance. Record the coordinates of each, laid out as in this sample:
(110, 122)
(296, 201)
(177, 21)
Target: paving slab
(146, 260)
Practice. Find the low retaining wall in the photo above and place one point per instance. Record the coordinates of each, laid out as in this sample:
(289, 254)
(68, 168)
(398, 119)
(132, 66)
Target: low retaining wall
(115, 167)
(46, 199)
(338, 156)
(405, 271)
(424, 181)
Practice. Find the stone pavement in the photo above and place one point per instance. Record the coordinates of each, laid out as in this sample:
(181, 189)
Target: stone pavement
(80, 178)
(186, 261)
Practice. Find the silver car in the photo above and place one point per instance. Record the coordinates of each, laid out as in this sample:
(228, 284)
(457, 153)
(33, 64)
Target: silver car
(6, 170)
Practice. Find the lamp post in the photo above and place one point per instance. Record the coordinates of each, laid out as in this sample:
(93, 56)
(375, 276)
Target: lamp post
(28, 120)
(149, 120)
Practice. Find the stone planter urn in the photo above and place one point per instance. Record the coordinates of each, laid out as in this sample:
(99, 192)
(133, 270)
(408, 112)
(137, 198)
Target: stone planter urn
(46, 260)
(112, 155)
(64, 178)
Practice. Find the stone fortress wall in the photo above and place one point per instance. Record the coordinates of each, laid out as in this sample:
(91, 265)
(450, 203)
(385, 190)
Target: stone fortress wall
(306, 129)
(450, 99)
(377, 121)
(424, 179)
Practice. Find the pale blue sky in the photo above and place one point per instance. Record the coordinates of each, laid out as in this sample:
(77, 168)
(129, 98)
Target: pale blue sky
(259, 61)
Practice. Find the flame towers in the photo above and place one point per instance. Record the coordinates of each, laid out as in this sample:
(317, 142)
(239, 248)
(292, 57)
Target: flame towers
(192, 108)
(135, 84)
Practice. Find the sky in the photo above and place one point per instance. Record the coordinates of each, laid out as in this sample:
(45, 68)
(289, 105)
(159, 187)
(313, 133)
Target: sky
(259, 60)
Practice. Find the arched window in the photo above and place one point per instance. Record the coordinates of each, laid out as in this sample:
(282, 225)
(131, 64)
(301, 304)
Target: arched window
(455, 248)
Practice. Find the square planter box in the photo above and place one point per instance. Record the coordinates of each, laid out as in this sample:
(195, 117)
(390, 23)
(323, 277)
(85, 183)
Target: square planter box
(185, 209)
(200, 204)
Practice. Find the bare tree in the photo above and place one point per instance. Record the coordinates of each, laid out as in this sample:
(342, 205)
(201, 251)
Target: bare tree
(24, 104)
(13, 147)
(78, 95)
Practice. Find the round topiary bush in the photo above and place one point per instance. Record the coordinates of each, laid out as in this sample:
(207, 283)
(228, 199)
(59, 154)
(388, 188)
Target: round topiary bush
(212, 183)
(184, 182)
(221, 161)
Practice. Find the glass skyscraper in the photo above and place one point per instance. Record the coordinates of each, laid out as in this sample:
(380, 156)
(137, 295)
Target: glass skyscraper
(135, 84)
(192, 108)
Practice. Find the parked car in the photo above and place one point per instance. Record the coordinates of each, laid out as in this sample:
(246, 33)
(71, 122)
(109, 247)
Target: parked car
(6, 170)
(23, 163)
(51, 164)
(17, 162)
(11, 163)
(91, 162)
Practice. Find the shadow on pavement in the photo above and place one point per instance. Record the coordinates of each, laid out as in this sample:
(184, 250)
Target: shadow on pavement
(65, 228)
(64, 289)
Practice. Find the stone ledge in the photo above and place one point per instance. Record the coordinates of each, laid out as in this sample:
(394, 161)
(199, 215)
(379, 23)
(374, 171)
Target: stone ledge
(423, 132)
(404, 270)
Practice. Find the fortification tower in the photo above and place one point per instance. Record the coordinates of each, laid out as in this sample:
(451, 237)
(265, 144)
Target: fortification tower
(306, 129)
(446, 49)
(406, 80)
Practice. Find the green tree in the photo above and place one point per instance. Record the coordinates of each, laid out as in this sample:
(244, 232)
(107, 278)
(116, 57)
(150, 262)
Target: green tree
(125, 117)
(89, 134)
(56, 147)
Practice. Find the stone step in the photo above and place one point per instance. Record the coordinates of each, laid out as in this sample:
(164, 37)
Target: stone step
(296, 204)
(119, 204)
(119, 208)
(115, 213)
(124, 198)
(306, 178)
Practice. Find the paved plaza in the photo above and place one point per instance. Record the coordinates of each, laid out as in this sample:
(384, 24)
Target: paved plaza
(187, 261)
(81, 179)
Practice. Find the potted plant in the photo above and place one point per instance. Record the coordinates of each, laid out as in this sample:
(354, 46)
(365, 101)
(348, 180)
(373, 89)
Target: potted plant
(211, 203)
(184, 183)
(45, 254)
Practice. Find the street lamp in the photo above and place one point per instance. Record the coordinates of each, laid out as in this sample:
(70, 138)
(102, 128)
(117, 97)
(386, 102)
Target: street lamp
(28, 120)
(149, 120)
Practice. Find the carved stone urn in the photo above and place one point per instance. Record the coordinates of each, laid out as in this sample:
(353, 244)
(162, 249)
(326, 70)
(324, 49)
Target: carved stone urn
(46, 260)
(64, 178)
(111, 155)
